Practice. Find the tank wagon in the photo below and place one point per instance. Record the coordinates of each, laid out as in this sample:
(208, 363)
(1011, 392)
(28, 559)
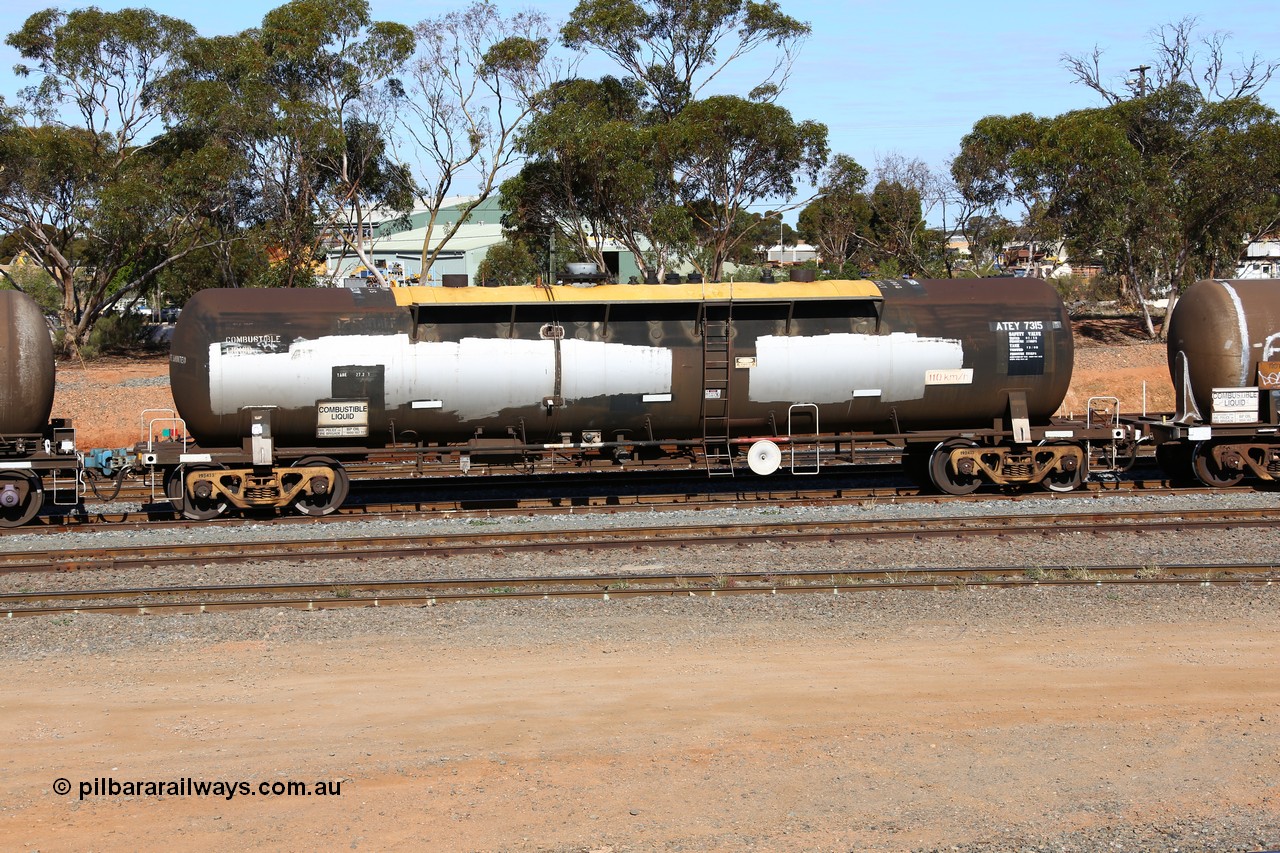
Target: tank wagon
(1224, 360)
(279, 388)
(33, 449)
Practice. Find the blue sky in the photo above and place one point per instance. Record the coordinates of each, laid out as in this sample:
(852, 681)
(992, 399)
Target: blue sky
(909, 78)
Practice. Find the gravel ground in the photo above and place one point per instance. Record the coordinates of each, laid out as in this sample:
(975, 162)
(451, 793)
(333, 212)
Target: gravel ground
(705, 626)
(886, 508)
(1236, 833)
(1014, 554)
(1020, 552)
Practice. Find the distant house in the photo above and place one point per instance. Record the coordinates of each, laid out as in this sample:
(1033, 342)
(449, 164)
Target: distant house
(394, 244)
(1045, 260)
(796, 254)
(1261, 258)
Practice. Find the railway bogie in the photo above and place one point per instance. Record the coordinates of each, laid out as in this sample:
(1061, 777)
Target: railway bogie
(1214, 457)
(315, 486)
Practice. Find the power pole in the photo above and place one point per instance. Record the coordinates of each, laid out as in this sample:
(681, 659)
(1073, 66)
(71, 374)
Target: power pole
(1142, 79)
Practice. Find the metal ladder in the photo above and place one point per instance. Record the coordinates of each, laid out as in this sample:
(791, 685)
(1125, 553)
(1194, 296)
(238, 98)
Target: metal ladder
(717, 452)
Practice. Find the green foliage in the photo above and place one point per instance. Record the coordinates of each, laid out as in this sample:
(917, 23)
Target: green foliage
(105, 202)
(673, 48)
(645, 161)
(887, 268)
(77, 54)
(1160, 187)
(987, 236)
(333, 73)
(36, 283)
(841, 212)
(242, 261)
(733, 152)
(508, 263)
(116, 334)
(746, 272)
(513, 56)
(1099, 288)
(232, 160)
(881, 229)
(477, 78)
(759, 232)
(305, 103)
(596, 166)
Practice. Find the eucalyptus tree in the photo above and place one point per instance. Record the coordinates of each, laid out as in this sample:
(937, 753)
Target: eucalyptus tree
(881, 224)
(986, 237)
(334, 72)
(832, 221)
(1161, 190)
(102, 192)
(905, 195)
(761, 231)
(508, 263)
(268, 231)
(676, 48)
(734, 152)
(1162, 185)
(597, 167)
(475, 81)
(672, 174)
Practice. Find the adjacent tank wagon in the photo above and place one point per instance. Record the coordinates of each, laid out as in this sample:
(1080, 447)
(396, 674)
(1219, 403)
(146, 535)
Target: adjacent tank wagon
(32, 448)
(279, 387)
(1224, 360)
(26, 366)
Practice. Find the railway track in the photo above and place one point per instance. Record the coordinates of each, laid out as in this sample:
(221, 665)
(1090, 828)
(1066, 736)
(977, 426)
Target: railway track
(481, 543)
(435, 592)
(491, 502)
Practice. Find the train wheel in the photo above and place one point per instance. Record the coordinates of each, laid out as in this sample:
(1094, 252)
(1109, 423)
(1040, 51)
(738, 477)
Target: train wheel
(1063, 481)
(193, 507)
(21, 496)
(1209, 472)
(318, 503)
(948, 481)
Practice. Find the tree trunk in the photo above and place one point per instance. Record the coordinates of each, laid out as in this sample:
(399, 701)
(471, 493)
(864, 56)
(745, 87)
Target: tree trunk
(1168, 312)
(1139, 292)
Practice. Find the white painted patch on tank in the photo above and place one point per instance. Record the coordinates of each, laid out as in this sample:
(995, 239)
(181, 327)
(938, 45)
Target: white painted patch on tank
(829, 368)
(1242, 329)
(474, 378)
(596, 368)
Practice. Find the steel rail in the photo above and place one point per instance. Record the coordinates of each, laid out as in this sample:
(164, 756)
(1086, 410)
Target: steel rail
(434, 592)
(358, 547)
